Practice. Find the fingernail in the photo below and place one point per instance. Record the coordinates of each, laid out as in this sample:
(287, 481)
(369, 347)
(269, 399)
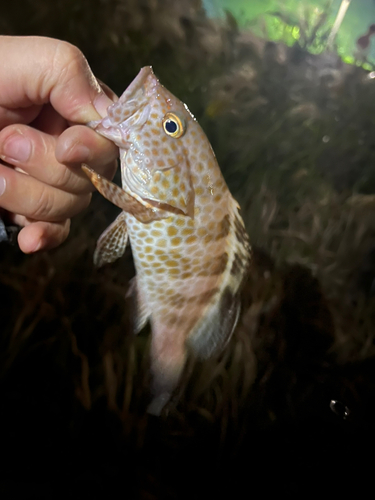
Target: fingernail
(101, 104)
(3, 184)
(38, 245)
(79, 153)
(16, 148)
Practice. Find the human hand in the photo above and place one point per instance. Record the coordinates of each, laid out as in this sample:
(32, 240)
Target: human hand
(47, 90)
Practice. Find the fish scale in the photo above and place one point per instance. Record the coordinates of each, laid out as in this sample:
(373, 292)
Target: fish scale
(189, 244)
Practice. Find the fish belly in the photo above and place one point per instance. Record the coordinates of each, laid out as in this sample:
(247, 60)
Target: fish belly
(185, 274)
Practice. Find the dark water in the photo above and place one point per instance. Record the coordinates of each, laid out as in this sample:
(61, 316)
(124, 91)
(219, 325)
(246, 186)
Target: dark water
(289, 406)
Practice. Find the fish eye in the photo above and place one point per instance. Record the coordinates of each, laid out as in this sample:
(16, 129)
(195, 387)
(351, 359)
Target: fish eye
(173, 125)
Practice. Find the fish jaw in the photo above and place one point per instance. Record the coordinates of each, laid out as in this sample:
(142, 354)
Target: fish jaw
(155, 166)
(145, 78)
(122, 114)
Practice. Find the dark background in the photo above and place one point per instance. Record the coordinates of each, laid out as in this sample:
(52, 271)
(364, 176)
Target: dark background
(293, 133)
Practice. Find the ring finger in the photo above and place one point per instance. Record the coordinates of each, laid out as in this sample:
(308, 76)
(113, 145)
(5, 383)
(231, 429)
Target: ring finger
(23, 194)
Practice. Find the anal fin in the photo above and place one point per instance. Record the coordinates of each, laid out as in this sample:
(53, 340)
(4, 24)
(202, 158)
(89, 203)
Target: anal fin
(112, 243)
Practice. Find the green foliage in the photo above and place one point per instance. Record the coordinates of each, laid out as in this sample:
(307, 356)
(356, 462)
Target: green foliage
(309, 27)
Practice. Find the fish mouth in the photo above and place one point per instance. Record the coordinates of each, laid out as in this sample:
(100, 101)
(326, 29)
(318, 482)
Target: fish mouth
(145, 80)
(116, 125)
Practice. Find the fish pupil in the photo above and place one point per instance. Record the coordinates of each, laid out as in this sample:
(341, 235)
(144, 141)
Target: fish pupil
(171, 126)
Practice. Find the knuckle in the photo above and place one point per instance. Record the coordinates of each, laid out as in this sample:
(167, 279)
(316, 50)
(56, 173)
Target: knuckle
(67, 61)
(68, 55)
(75, 204)
(51, 207)
(44, 204)
(61, 178)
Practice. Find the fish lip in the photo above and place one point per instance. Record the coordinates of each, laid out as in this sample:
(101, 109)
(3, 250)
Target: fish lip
(141, 80)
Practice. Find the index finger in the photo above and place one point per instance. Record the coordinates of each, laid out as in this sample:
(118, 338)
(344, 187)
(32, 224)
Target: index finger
(37, 70)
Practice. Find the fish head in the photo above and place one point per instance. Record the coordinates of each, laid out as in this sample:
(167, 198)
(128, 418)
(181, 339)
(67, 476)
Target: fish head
(150, 126)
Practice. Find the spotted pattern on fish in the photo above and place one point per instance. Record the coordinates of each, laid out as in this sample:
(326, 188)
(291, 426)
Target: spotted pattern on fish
(190, 247)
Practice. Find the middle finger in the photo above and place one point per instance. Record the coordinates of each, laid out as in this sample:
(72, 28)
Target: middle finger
(33, 151)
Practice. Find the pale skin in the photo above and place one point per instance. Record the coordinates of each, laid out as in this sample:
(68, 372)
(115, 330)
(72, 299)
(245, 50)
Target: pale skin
(47, 94)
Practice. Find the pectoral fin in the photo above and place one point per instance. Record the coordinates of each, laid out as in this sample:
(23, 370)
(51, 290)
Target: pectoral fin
(215, 329)
(142, 309)
(112, 243)
(124, 200)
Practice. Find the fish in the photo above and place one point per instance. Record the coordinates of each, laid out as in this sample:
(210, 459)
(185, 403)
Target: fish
(189, 244)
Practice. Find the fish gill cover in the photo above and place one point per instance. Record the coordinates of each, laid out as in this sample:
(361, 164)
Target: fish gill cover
(293, 133)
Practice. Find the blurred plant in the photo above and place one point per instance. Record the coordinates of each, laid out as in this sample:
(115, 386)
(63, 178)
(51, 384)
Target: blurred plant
(339, 19)
(309, 27)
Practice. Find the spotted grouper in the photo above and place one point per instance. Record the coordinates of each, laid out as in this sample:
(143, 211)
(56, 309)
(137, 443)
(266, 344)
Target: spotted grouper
(190, 247)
